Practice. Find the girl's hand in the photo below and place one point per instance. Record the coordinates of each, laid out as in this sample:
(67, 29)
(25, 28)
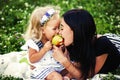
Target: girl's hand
(47, 46)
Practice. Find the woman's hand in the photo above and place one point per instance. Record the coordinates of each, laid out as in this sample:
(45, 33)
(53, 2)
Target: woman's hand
(65, 61)
(58, 54)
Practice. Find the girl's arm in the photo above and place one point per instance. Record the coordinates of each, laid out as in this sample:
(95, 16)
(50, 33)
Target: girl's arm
(35, 56)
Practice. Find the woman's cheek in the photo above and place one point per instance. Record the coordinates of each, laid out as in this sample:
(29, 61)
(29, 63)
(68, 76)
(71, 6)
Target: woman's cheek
(66, 41)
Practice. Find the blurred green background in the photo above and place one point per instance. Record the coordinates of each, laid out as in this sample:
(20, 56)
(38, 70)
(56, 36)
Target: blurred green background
(14, 15)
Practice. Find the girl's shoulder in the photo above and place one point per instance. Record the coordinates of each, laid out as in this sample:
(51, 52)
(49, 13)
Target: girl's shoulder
(30, 44)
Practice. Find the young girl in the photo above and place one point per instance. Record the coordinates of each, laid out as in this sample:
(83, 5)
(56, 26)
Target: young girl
(43, 25)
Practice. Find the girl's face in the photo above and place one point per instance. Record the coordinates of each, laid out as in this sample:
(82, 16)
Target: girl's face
(66, 32)
(51, 28)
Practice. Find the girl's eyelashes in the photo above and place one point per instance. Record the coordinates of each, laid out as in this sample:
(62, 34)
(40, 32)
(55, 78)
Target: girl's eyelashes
(54, 28)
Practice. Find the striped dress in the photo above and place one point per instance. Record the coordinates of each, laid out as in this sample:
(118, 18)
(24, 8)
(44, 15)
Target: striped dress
(44, 66)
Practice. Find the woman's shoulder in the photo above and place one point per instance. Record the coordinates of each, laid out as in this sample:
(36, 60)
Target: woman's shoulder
(102, 45)
(102, 40)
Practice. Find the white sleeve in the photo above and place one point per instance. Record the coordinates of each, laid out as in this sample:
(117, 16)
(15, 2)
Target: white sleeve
(30, 43)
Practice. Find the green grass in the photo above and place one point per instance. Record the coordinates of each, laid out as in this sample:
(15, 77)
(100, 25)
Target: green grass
(3, 77)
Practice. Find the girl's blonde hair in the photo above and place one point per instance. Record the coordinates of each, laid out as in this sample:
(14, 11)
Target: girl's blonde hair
(34, 30)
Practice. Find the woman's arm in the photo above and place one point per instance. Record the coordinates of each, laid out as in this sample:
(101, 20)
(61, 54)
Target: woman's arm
(73, 71)
(100, 60)
(62, 58)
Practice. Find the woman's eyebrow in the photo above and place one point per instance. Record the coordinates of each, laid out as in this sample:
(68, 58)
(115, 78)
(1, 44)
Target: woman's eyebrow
(61, 25)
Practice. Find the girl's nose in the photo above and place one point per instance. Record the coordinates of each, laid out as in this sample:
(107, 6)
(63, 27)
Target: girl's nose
(60, 31)
(57, 31)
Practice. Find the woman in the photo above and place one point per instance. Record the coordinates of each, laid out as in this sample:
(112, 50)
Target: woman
(89, 53)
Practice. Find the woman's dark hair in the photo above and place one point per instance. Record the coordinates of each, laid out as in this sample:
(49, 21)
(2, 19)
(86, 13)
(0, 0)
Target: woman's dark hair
(82, 48)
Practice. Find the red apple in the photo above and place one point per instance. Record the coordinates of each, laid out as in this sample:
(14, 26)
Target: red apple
(57, 40)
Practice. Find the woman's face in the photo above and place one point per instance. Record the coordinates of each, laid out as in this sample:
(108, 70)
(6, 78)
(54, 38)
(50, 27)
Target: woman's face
(66, 32)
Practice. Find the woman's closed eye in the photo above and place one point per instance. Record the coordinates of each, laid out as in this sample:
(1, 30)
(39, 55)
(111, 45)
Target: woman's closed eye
(61, 27)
